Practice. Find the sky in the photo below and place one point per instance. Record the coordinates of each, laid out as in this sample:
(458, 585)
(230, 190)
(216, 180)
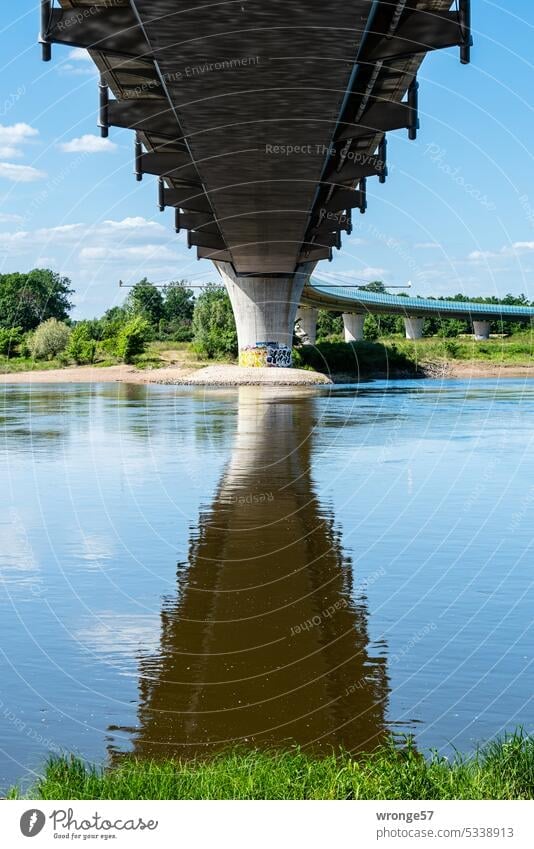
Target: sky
(455, 215)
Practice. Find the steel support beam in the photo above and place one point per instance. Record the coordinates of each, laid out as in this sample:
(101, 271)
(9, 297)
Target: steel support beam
(419, 31)
(147, 115)
(342, 199)
(109, 29)
(380, 118)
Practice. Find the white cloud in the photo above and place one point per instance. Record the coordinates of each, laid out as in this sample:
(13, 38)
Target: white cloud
(108, 239)
(16, 133)
(479, 255)
(78, 54)
(13, 137)
(505, 251)
(118, 253)
(20, 173)
(136, 224)
(6, 217)
(88, 144)
(131, 247)
(78, 63)
(357, 276)
(371, 273)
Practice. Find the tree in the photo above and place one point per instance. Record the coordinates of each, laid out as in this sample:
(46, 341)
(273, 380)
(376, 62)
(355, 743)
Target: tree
(81, 347)
(178, 312)
(132, 339)
(373, 286)
(110, 323)
(179, 304)
(329, 324)
(214, 330)
(50, 339)
(26, 300)
(10, 340)
(146, 300)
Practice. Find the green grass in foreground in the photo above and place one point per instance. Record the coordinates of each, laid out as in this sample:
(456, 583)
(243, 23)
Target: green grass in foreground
(502, 770)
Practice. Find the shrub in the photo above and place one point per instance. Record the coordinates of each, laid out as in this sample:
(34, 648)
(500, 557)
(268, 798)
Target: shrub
(357, 358)
(81, 347)
(49, 339)
(214, 330)
(132, 339)
(10, 340)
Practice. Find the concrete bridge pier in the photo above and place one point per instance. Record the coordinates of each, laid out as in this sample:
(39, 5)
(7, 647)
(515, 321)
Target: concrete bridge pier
(413, 327)
(481, 330)
(265, 309)
(307, 316)
(353, 324)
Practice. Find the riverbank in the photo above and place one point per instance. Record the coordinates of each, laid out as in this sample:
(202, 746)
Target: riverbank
(502, 770)
(226, 374)
(214, 375)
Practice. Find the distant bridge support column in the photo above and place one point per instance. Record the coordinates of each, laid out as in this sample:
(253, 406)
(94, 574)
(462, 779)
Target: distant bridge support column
(264, 310)
(307, 316)
(481, 329)
(413, 327)
(353, 325)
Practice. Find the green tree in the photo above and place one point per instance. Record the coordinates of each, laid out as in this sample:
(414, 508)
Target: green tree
(146, 300)
(373, 286)
(81, 347)
(329, 325)
(26, 300)
(10, 339)
(214, 330)
(132, 338)
(110, 324)
(178, 312)
(50, 339)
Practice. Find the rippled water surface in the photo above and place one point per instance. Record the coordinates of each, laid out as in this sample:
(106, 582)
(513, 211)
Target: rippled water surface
(181, 569)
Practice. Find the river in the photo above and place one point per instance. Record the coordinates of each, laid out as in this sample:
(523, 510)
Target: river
(184, 569)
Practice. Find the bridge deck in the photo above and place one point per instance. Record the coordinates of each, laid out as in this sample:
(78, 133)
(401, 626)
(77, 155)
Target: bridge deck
(356, 300)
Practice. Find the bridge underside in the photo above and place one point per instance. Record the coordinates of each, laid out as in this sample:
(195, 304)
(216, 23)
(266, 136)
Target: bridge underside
(262, 119)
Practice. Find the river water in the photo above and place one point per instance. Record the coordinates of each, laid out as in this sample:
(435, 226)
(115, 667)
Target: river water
(183, 569)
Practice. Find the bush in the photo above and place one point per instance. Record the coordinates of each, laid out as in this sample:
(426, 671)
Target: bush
(81, 347)
(132, 339)
(214, 330)
(49, 339)
(10, 340)
(356, 358)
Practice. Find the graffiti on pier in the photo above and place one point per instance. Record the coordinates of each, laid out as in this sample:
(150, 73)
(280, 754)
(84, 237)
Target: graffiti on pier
(265, 355)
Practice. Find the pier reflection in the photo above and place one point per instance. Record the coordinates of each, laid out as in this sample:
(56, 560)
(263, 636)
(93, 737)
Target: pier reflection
(265, 642)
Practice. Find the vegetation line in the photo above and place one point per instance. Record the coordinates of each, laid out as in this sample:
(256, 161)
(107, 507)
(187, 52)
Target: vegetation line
(157, 327)
(502, 770)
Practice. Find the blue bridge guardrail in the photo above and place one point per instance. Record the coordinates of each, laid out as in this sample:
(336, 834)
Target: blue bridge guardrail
(347, 298)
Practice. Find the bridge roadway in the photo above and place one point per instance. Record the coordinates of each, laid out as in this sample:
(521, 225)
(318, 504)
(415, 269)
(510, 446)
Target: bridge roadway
(356, 303)
(262, 120)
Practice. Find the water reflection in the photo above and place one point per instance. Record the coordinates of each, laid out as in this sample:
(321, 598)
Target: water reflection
(265, 641)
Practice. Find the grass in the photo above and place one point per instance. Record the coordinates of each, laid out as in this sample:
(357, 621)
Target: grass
(517, 349)
(393, 355)
(400, 357)
(12, 365)
(157, 355)
(502, 770)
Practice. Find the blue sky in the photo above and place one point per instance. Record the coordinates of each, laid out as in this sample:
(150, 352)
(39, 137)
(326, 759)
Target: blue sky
(456, 214)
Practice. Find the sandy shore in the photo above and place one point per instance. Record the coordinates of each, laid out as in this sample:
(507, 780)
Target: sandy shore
(230, 375)
(216, 375)
(467, 370)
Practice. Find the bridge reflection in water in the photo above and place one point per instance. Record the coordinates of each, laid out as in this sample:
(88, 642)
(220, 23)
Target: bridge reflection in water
(266, 640)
